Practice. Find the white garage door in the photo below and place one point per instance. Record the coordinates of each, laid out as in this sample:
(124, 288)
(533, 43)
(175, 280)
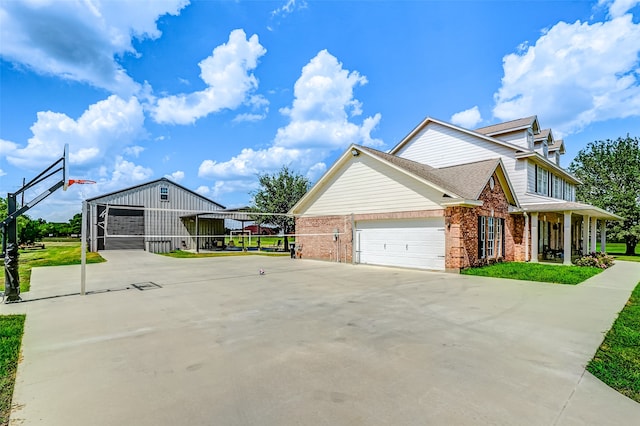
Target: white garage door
(405, 243)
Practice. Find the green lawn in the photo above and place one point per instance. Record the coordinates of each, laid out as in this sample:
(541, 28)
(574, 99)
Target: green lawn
(558, 274)
(55, 254)
(11, 329)
(617, 361)
(617, 250)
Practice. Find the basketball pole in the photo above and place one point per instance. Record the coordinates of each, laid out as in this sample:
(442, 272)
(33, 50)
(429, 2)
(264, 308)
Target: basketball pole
(83, 249)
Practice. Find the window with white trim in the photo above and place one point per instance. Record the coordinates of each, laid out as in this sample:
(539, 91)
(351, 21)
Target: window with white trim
(164, 193)
(491, 241)
(490, 236)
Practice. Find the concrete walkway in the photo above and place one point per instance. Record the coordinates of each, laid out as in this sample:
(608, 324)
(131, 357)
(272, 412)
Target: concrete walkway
(312, 343)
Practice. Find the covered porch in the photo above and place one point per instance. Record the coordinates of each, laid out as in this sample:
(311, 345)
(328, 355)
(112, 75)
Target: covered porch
(560, 232)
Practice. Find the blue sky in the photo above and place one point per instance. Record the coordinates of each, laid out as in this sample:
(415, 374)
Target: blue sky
(211, 93)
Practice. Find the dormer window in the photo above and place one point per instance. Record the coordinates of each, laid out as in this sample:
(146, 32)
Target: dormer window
(545, 149)
(530, 139)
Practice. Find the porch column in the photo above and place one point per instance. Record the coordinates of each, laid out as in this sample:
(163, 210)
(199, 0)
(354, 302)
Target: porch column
(534, 237)
(566, 239)
(603, 236)
(592, 245)
(585, 234)
(197, 235)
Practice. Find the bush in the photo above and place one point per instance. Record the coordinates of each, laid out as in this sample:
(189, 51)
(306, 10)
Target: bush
(599, 260)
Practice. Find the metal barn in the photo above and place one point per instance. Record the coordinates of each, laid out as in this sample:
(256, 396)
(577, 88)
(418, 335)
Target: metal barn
(153, 216)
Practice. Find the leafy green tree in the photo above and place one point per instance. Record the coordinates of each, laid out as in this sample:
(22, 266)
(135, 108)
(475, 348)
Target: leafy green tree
(31, 231)
(277, 194)
(610, 173)
(76, 223)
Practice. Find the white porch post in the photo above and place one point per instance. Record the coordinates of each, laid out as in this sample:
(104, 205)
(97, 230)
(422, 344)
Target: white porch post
(566, 239)
(534, 237)
(603, 236)
(585, 234)
(594, 223)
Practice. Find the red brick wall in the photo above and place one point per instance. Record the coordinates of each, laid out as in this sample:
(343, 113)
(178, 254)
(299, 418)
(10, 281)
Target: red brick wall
(316, 234)
(462, 224)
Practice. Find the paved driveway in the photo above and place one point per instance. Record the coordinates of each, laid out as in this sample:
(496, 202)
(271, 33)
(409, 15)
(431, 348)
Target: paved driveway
(312, 343)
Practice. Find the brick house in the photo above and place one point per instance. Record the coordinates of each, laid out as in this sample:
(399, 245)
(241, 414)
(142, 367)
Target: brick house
(447, 198)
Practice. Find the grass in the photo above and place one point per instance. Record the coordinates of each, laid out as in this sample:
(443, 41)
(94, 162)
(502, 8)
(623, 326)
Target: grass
(617, 250)
(557, 274)
(55, 254)
(617, 361)
(11, 329)
(187, 254)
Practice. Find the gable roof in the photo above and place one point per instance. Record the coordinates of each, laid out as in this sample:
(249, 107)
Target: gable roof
(428, 120)
(464, 182)
(153, 182)
(511, 126)
(557, 144)
(543, 135)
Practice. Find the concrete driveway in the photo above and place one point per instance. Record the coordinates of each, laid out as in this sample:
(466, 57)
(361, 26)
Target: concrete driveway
(312, 343)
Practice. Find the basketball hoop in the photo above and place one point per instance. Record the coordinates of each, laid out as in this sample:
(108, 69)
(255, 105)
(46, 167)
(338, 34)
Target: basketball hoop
(81, 181)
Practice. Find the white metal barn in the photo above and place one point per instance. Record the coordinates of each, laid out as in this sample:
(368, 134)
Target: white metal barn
(156, 216)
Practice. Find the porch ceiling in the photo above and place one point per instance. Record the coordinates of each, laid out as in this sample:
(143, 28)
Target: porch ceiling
(577, 208)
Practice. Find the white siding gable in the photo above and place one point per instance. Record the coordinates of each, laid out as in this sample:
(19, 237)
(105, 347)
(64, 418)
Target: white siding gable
(366, 185)
(517, 138)
(440, 146)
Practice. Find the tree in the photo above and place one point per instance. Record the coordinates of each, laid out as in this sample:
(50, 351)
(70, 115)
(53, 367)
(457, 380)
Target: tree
(76, 223)
(610, 175)
(277, 194)
(31, 231)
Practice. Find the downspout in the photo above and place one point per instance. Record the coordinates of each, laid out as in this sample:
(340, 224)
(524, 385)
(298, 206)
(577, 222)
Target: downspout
(353, 239)
(526, 237)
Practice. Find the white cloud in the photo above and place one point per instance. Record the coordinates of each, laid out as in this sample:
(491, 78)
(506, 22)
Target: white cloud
(103, 130)
(227, 73)
(618, 8)
(289, 7)
(133, 151)
(574, 75)
(251, 162)
(315, 171)
(232, 186)
(127, 174)
(468, 118)
(321, 121)
(80, 40)
(322, 106)
(2, 172)
(248, 117)
(176, 176)
(203, 190)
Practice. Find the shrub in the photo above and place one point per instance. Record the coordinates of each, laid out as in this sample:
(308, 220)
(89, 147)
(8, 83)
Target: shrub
(599, 260)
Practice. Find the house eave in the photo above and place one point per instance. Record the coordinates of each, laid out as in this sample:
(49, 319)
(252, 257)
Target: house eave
(539, 159)
(462, 203)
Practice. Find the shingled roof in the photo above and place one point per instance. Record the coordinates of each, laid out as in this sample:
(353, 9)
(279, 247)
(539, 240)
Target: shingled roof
(507, 126)
(465, 180)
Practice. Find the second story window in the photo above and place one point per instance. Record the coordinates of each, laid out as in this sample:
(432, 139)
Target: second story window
(164, 193)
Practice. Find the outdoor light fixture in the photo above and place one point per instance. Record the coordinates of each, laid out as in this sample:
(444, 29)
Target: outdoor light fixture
(355, 152)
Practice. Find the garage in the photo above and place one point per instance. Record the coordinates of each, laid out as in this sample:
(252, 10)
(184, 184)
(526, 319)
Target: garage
(418, 243)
